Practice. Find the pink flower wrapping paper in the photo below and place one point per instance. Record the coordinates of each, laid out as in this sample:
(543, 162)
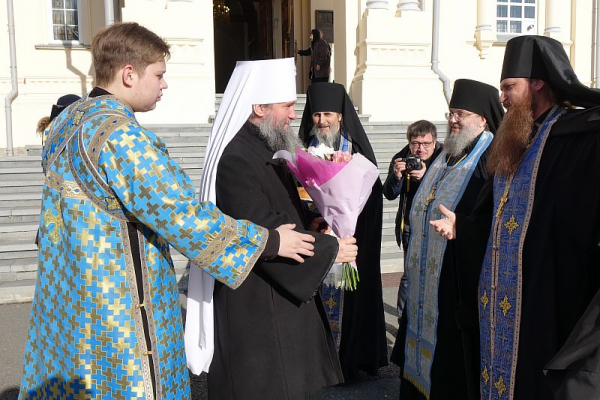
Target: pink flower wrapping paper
(340, 190)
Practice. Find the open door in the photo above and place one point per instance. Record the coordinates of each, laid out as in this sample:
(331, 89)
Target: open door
(243, 33)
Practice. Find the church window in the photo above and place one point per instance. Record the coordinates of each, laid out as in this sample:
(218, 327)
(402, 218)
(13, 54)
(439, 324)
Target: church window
(64, 21)
(516, 17)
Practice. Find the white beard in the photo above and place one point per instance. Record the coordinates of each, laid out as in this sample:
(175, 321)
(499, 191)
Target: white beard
(455, 143)
(329, 140)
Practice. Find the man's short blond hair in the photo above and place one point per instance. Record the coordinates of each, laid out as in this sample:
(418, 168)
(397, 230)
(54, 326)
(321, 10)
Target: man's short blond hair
(125, 43)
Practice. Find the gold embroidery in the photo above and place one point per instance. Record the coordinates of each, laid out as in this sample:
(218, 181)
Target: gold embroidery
(77, 118)
(426, 353)
(432, 266)
(484, 299)
(412, 343)
(485, 375)
(505, 305)
(511, 225)
(504, 198)
(50, 218)
(431, 196)
(112, 203)
(331, 301)
(500, 386)
(69, 189)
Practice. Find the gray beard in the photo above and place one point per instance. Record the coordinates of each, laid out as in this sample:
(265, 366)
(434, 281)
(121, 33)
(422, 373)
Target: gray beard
(328, 140)
(277, 136)
(455, 144)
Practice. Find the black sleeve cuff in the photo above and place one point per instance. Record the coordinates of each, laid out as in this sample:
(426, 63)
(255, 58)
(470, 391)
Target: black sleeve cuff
(272, 246)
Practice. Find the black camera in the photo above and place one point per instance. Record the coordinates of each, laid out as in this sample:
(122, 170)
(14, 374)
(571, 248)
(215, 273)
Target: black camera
(413, 163)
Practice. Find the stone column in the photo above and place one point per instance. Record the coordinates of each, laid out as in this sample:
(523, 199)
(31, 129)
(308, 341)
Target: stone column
(393, 67)
(188, 28)
(377, 4)
(409, 5)
(555, 22)
(485, 33)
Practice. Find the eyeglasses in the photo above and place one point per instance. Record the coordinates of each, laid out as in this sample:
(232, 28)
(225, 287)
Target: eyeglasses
(459, 116)
(425, 145)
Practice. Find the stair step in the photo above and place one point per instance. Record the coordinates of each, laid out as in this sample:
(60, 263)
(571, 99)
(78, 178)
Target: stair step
(19, 211)
(20, 196)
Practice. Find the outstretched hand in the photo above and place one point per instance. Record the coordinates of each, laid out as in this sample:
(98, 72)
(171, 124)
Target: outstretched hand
(294, 244)
(347, 250)
(446, 227)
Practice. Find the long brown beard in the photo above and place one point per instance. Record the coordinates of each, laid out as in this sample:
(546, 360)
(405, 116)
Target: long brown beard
(511, 139)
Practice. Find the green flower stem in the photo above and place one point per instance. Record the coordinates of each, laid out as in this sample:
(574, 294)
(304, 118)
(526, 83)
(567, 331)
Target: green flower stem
(350, 277)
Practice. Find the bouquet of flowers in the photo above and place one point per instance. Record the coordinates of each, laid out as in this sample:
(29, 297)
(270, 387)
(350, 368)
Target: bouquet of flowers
(340, 185)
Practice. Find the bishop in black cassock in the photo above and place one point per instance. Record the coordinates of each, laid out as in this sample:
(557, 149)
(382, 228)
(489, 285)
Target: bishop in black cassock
(272, 339)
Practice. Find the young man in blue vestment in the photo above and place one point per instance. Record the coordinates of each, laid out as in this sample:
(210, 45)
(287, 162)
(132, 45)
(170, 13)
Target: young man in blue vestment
(106, 319)
(537, 295)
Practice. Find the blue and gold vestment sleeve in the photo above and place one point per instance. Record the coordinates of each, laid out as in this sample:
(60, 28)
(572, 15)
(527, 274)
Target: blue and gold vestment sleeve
(155, 189)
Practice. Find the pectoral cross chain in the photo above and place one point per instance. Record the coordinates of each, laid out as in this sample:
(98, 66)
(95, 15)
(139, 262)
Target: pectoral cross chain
(503, 201)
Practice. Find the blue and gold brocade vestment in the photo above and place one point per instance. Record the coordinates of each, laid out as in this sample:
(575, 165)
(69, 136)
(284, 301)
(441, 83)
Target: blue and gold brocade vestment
(106, 320)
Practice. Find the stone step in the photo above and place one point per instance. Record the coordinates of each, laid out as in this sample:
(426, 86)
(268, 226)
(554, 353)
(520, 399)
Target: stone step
(20, 196)
(17, 291)
(28, 234)
(19, 266)
(18, 249)
(36, 179)
(24, 162)
(20, 189)
(21, 219)
(19, 211)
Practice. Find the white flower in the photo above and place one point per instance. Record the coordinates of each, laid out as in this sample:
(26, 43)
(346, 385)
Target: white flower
(321, 151)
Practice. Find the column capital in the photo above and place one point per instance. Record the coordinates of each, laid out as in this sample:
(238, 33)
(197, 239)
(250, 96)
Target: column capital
(377, 4)
(485, 34)
(409, 5)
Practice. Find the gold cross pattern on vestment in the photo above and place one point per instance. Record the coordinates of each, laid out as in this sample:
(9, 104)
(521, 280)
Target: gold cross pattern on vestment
(49, 219)
(505, 305)
(485, 375)
(500, 386)
(331, 302)
(511, 225)
(484, 299)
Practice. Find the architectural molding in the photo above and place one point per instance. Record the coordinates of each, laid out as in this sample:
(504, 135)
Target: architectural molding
(378, 4)
(187, 51)
(558, 17)
(408, 5)
(485, 32)
(48, 85)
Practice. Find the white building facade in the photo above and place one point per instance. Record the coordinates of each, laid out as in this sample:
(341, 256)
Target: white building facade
(390, 55)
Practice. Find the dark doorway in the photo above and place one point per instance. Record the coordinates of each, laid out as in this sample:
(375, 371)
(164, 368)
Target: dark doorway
(245, 34)
(287, 27)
